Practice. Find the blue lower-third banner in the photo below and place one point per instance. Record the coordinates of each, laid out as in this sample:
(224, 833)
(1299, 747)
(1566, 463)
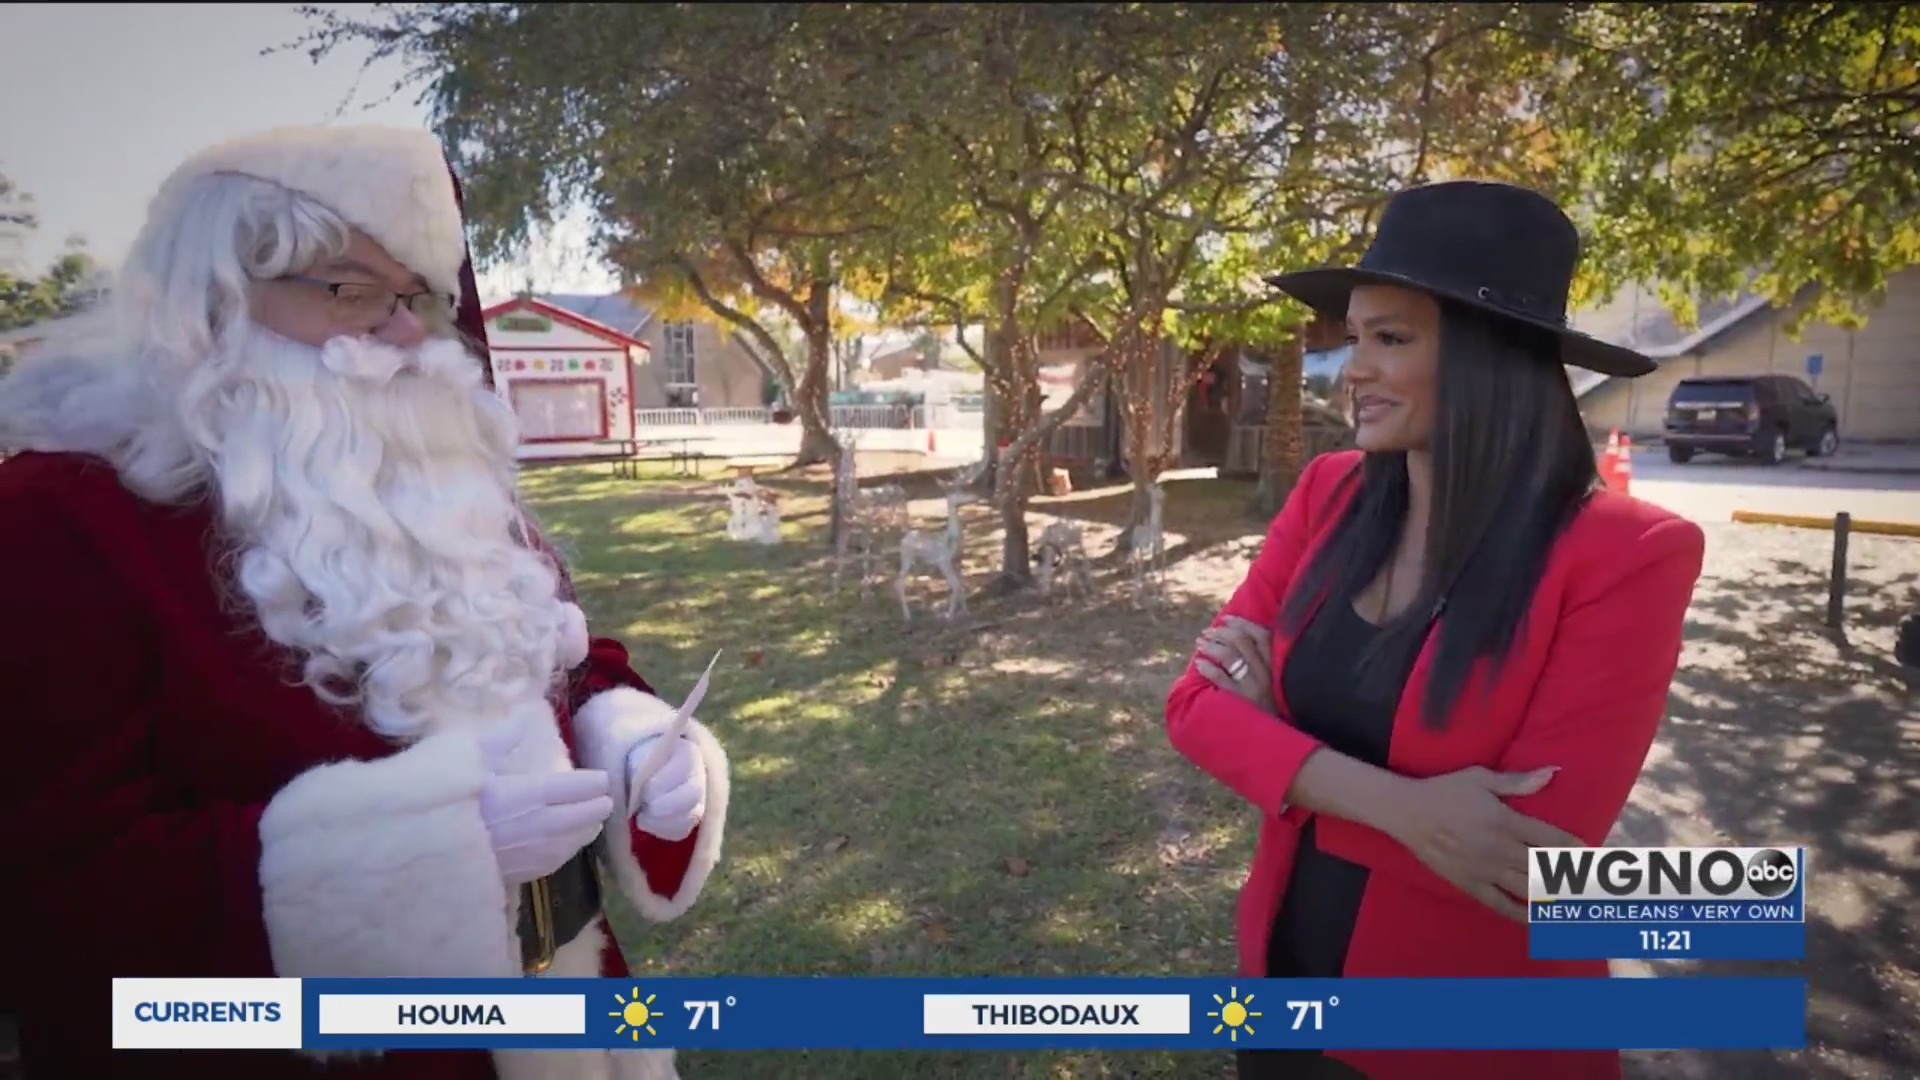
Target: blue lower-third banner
(1667, 941)
(982, 1013)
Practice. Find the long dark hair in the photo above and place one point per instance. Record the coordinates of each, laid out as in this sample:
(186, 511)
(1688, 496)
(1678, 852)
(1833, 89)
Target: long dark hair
(1512, 464)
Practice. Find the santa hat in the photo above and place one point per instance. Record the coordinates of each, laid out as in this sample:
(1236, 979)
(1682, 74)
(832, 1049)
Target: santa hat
(394, 184)
(391, 183)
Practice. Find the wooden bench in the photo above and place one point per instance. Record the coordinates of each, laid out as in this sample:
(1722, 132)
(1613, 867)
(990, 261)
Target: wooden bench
(676, 449)
(623, 454)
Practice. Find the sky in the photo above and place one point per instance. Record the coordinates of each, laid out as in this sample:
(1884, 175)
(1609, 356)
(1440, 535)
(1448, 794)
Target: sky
(102, 101)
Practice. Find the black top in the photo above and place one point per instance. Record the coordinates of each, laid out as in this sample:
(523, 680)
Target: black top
(1315, 923)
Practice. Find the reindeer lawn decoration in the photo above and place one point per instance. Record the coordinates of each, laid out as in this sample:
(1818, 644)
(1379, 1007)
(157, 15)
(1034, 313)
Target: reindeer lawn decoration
(866, 519)
(1062, 549)
(1147, 558)
(940, 552)
(869, 519)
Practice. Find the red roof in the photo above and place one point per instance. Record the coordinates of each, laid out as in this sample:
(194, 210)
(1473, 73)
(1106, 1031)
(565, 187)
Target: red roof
(563, 316)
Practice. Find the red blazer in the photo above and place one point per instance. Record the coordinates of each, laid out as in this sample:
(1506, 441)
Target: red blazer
(1584, 688)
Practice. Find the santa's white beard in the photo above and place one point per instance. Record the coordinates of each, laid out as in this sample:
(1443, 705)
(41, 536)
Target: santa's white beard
(369, 492)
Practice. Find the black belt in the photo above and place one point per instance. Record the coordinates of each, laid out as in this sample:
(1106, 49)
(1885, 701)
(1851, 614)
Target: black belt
(554, 909)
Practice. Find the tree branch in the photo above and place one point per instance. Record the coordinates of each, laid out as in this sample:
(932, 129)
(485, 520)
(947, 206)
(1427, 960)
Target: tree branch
(770, 347)
(766, 290)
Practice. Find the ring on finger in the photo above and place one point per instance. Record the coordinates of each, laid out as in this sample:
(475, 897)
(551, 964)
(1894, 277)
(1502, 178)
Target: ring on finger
(1237, 670)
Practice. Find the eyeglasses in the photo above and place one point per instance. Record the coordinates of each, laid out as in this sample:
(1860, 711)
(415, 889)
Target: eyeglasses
(371, 305)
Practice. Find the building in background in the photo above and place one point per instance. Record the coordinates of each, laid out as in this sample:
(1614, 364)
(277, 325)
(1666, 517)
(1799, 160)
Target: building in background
(1871, 374)
(1223, 423)
(569, 379)
(685, 364)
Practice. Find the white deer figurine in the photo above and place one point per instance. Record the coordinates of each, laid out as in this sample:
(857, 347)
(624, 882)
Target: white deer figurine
(869, 518)
(865, 518)
(940, 552)
(1147, 559)
(1062, 549)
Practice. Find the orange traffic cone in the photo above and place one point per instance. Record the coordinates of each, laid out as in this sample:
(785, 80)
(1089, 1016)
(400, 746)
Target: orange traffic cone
(930, 443)
(1609, 458)
(1623, 467)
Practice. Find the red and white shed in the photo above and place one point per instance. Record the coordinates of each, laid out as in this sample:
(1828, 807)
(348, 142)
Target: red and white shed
(568, 378)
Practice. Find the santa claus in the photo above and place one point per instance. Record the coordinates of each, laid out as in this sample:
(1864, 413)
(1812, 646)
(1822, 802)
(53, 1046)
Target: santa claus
(292, 685)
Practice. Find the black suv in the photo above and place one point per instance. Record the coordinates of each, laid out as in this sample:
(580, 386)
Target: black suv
(1759, 415)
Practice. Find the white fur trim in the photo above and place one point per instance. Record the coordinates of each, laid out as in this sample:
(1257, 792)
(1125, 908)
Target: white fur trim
(384, 868)
(573, 636)
(391, 183)
(604, 729)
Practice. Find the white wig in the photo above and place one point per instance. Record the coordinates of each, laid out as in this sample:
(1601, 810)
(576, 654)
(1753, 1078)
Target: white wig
(368, 492)
(104, 385)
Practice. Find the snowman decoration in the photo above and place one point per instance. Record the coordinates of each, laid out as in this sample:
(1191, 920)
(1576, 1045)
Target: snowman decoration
(743, 514)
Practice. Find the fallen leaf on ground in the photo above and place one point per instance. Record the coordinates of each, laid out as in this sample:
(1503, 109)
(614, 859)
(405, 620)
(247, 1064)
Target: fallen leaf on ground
(1018, 866)
(836, 844)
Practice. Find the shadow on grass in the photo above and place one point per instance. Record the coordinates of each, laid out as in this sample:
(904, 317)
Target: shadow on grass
(997, 796)
(990, 796)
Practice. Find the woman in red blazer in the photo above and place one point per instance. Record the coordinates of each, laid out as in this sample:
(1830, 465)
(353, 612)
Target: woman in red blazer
(1452, 645)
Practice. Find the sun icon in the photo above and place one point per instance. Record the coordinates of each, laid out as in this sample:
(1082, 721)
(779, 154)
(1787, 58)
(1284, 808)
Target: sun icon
(635, 1015)
(1233, 1014)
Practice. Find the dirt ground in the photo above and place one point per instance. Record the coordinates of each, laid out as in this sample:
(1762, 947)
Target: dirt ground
(1781, 732)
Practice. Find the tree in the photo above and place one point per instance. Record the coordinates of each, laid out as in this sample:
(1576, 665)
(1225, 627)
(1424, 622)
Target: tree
(1181, 172)
(1765, 147)
(1269, 137)
(70, 285)
(990, 236)
(73, 282)
(724, 148)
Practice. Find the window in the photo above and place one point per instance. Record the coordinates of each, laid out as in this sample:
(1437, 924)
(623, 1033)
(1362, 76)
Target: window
(679, 354)
(559, 411)
(1716, 393)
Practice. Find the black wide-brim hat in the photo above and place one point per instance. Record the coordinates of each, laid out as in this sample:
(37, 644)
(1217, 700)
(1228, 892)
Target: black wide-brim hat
(1498, 248)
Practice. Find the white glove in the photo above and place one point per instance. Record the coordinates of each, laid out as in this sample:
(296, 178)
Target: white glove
(670, 803)
(539, 820)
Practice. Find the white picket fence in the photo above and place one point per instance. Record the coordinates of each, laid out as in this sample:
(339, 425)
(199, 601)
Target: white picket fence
(940, 431)
(844, 418)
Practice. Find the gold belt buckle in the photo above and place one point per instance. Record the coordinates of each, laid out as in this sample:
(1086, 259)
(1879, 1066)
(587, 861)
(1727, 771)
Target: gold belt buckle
(542, 900)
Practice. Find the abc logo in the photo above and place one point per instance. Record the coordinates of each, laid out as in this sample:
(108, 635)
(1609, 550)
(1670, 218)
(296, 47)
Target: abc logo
(1771, 873)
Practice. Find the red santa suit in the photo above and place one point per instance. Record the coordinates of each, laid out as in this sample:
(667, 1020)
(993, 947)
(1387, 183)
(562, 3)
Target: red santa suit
(174, 802)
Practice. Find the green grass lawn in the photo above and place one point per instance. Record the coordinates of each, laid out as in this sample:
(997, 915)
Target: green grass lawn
(992, 796)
